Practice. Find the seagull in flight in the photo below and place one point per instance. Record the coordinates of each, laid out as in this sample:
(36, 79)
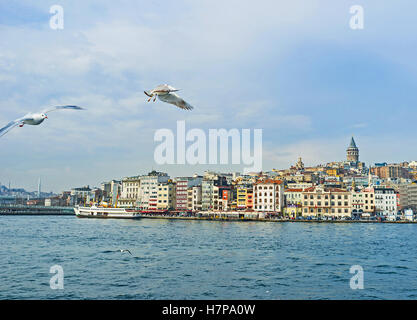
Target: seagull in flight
(167, 94)
(125, 250)
(34, 118)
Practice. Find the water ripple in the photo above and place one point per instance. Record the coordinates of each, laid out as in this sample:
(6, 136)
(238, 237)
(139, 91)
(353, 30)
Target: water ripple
(203, 260)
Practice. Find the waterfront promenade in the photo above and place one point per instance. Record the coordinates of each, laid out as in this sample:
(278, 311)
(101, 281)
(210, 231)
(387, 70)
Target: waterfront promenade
(22, 210)
(227, 216)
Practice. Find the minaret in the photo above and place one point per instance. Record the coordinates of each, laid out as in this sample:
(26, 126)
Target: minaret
(352, 152)
(39, 188)
(369, 177)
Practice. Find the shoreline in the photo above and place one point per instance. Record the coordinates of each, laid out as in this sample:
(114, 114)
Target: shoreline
(66, 211)
(271, 220)
(219, 219)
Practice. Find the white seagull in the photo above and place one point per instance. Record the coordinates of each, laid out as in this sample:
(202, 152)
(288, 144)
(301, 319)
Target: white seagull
(125, 250)
(167, 94)
(34, 118)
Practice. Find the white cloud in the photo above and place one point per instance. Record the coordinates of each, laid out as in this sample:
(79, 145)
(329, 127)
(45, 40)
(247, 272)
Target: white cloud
(218, 52)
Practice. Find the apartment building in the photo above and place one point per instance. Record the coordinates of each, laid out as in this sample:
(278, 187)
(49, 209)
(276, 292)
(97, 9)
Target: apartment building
(268, 196)
(385, 201)
(148, 190)
(166, 196)
(129, 192)
(182, 185)
(408, 196)
(363, 201)
(319, 201)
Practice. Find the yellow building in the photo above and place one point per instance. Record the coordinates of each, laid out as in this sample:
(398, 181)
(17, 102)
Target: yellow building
(320, 201)
(166, 196)
(244, 197)
(293, 202)
(363, 201)
(241, 193)
(249, 199)
(293, 211)
(332, 172)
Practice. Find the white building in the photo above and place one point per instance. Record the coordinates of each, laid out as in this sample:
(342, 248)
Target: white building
(293, 196)
(363, 201)
(148, 190)
(385, 201)
(129, 192)
(268, 196)
(194, 198)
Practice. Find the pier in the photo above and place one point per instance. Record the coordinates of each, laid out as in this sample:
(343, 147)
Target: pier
(25, 210)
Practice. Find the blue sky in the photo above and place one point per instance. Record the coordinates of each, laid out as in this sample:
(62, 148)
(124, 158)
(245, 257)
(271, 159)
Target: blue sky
(294, 69)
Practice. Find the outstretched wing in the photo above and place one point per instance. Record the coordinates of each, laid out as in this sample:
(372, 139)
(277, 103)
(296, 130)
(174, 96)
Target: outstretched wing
(11, 125)
(8, 127)
(175, 99)
(163, 88)
(61, 108)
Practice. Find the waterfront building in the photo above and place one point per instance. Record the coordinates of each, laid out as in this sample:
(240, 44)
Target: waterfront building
(222, 197)
(182, 185)
(129, 192)
(148, 190)
(385, 201)
(293, 196)
(293, 202)
(111, 190)
(207, 194)
(249, 199)
(79, 195)
(244, 197)
(52, 202)
(94, 196)
(115, 190)
(181, 193)
(166, 196)
(319, 201)
(363, 201)
(106, 187)
(268, 196)
(81, 192)
(293, 211)
(196, 198)
(209, 181)
(189, 199)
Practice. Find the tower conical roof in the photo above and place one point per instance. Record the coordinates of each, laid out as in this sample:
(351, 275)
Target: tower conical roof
(352, 144)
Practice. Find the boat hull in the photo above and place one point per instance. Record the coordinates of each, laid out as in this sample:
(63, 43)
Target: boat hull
(106, 213)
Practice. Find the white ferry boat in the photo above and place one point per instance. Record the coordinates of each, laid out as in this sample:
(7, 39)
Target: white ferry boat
(100, 212)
